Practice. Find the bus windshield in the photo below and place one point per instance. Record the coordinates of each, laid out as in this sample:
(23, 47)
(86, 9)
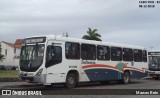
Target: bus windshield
(31, 57)
(154, 62)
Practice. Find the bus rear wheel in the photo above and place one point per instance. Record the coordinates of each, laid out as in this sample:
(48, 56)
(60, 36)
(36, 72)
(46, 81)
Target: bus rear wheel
(71, 80)
(125, 78)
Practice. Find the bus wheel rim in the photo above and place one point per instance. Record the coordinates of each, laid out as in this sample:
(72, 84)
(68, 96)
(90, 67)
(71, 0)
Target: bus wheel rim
(71, 80)
(126, 78)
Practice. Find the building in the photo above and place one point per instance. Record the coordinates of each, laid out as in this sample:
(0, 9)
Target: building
(11, 52)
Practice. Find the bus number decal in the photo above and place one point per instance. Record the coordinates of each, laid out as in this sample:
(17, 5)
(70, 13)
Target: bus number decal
(72, 66)
(87, 62)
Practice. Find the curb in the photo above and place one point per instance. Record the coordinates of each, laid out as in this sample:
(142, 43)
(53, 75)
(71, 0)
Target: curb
(9, 79)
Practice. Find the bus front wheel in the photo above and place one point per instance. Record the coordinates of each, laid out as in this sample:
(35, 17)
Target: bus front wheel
(71, 80)
(125, 78)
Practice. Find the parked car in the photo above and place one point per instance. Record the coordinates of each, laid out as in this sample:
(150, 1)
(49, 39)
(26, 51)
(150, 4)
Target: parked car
(14, 67)
(8, 67)
(2, 67)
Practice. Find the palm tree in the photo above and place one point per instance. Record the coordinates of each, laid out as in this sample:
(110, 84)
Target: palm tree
(92, 35)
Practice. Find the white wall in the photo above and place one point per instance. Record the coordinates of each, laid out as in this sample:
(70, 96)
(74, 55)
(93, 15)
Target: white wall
(10, 57)
(16, 57)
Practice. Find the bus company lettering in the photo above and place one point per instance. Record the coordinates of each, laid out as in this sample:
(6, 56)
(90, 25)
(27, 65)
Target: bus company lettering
(87, 62)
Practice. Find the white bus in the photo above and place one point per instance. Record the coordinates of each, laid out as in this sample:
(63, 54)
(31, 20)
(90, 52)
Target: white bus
(53, 59)
(154, 64)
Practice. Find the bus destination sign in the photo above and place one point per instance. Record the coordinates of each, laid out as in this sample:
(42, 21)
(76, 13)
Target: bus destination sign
(153, 53)
(34, 40)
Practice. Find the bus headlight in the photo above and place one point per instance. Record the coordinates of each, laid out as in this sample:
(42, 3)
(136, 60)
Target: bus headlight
(39, 72)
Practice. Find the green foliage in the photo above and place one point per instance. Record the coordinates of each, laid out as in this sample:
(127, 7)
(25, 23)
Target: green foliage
(8, 73)
(92, 35)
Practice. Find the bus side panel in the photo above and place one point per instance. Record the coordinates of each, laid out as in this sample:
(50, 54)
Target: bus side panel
(55, 78)
(138, 75)
(139, 70)
(54, 75)
(102, 71)
(99, 74)
(57, 73)
(106, 71)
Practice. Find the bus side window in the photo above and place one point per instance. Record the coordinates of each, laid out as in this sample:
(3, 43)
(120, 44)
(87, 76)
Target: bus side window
(103, 52)
(53, 55)
(137, 55)
(127, 54)
(116, 54)
(72, 50)
(144, 56)
(88, 52)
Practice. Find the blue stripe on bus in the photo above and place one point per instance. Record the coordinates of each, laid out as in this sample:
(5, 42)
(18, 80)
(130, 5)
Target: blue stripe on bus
(99, 74)
(138, 75)
(102, 74)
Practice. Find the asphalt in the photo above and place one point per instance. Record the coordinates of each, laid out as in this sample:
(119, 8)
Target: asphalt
(141, 84)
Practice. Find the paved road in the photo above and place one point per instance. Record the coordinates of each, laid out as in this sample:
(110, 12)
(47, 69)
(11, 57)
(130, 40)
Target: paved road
(147, 83)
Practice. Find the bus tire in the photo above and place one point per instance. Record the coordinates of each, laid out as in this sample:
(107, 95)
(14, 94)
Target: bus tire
(125, 78)
(71, 80)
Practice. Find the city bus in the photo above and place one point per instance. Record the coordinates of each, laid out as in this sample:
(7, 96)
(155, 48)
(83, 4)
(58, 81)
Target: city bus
(154, 63)
(55, 59)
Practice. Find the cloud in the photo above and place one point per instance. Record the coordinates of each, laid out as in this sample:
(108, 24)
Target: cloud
(116, 20)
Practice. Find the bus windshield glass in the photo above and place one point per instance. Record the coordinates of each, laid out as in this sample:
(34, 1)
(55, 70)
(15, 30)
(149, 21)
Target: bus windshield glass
(31, 57)
(154, 60)
(154, 63)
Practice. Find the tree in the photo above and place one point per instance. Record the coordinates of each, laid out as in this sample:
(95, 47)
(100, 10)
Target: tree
(92, 35)
(1, 56)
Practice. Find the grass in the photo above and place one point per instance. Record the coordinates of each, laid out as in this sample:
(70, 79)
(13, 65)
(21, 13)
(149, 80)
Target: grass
(9, 73)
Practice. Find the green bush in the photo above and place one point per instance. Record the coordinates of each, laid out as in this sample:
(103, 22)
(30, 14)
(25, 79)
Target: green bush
(9, 73)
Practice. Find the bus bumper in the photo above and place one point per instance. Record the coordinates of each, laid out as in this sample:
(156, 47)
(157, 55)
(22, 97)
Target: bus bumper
(33, 79)
(154, 74)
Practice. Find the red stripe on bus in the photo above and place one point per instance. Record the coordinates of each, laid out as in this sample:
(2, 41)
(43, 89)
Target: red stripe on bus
(134, 68)
(143, 69)
(98, 65)
(109, 66)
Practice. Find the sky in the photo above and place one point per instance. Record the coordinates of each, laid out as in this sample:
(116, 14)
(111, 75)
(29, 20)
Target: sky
(119, 21)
